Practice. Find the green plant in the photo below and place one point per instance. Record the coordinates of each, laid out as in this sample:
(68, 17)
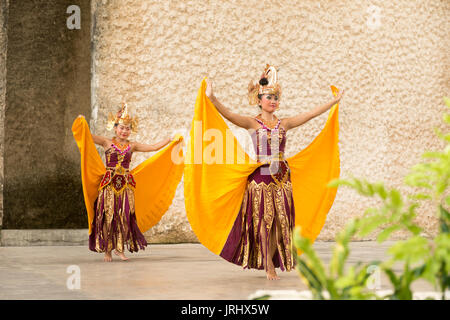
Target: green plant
(421, 257)
(336, 282)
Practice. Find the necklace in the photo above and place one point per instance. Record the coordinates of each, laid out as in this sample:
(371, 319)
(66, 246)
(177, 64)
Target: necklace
(269, 123)
(122, 148)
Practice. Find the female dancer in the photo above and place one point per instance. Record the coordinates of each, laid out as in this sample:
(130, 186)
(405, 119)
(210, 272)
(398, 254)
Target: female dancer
(261, 236)
(114, 222)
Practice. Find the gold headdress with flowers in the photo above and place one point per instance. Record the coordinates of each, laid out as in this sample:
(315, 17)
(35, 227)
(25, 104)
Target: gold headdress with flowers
(267, 84)
(122, 117)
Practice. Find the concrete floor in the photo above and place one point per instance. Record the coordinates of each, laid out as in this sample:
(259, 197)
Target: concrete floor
(179, 271)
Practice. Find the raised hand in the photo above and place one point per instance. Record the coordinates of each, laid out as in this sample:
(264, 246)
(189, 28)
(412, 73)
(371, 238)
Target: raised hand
(209, 89)
(339, 95)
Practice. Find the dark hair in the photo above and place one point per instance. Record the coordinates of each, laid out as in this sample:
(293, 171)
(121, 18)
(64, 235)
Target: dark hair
(263, 82)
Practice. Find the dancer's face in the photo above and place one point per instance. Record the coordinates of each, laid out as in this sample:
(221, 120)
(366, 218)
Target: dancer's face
(123, 131)
(269, 102)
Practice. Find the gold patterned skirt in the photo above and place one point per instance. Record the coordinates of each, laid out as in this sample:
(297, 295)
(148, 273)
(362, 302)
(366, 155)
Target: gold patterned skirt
(266, 215)
(114, 224)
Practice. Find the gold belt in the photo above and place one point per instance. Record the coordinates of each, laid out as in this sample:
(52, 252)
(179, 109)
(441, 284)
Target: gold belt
(118, 170)
(268, 159)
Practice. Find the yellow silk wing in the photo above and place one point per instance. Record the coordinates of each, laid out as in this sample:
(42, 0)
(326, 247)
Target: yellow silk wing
(215, 175)
(156, 178)
(214, 191)
(311, 170)
(92, 167)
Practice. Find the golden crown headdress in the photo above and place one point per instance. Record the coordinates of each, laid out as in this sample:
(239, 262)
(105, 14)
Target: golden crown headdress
(122, 117)
(268, 84)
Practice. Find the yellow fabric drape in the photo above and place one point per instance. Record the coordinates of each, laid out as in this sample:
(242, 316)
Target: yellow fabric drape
(311, 170)
(92, 167)
(156, 178)
(214, 191)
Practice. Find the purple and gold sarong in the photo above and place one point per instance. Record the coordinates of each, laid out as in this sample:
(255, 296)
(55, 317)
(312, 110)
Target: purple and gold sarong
(267, 209)
(114, 223)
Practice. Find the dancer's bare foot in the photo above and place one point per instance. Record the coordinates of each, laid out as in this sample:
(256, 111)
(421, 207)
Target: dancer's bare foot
(108, 257)
(271, 273)
(121, 255)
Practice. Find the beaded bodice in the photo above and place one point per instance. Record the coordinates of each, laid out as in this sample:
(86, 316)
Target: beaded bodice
(115, 156)
(265, 147)
(117, 169)
(271, 152)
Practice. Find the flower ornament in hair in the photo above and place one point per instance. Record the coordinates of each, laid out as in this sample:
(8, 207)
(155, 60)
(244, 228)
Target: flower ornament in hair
(122, 117)
(268, 84)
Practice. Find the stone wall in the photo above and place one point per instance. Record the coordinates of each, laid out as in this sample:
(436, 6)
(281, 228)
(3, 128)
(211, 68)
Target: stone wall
(391, 57)
(47, 86)
(3, 49)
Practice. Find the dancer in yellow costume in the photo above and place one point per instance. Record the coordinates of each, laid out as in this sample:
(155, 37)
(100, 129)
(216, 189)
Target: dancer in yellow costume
(245, 210)
(121, 203)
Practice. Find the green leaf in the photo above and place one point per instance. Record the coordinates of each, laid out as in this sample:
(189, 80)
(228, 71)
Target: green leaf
(432, 154)
(358, 184)
(446, 101)
(380, 190)
(444, 220)
(370, 189)
(417, 272)
(396, 198)
(443, 213)
(340, 182)
(369, 224)
(383, 235)
(415, 230)
(334, 183)
(332, 290)
(446, 118)
(444, 227)
(441, 186)
(308, 276)
(439, 133)
(420, 196)
(337, 262)
(447, 136)
(410, 250)
(392, 277)
(313, 260)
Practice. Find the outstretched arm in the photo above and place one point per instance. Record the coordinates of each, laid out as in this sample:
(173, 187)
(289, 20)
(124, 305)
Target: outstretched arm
(141, 147)
(237, 119)
(101, 141)
(293, 122)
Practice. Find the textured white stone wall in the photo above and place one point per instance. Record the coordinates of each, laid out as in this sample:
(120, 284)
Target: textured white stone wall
(392, 59)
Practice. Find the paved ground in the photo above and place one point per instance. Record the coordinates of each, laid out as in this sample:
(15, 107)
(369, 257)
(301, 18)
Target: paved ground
(180, 271)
